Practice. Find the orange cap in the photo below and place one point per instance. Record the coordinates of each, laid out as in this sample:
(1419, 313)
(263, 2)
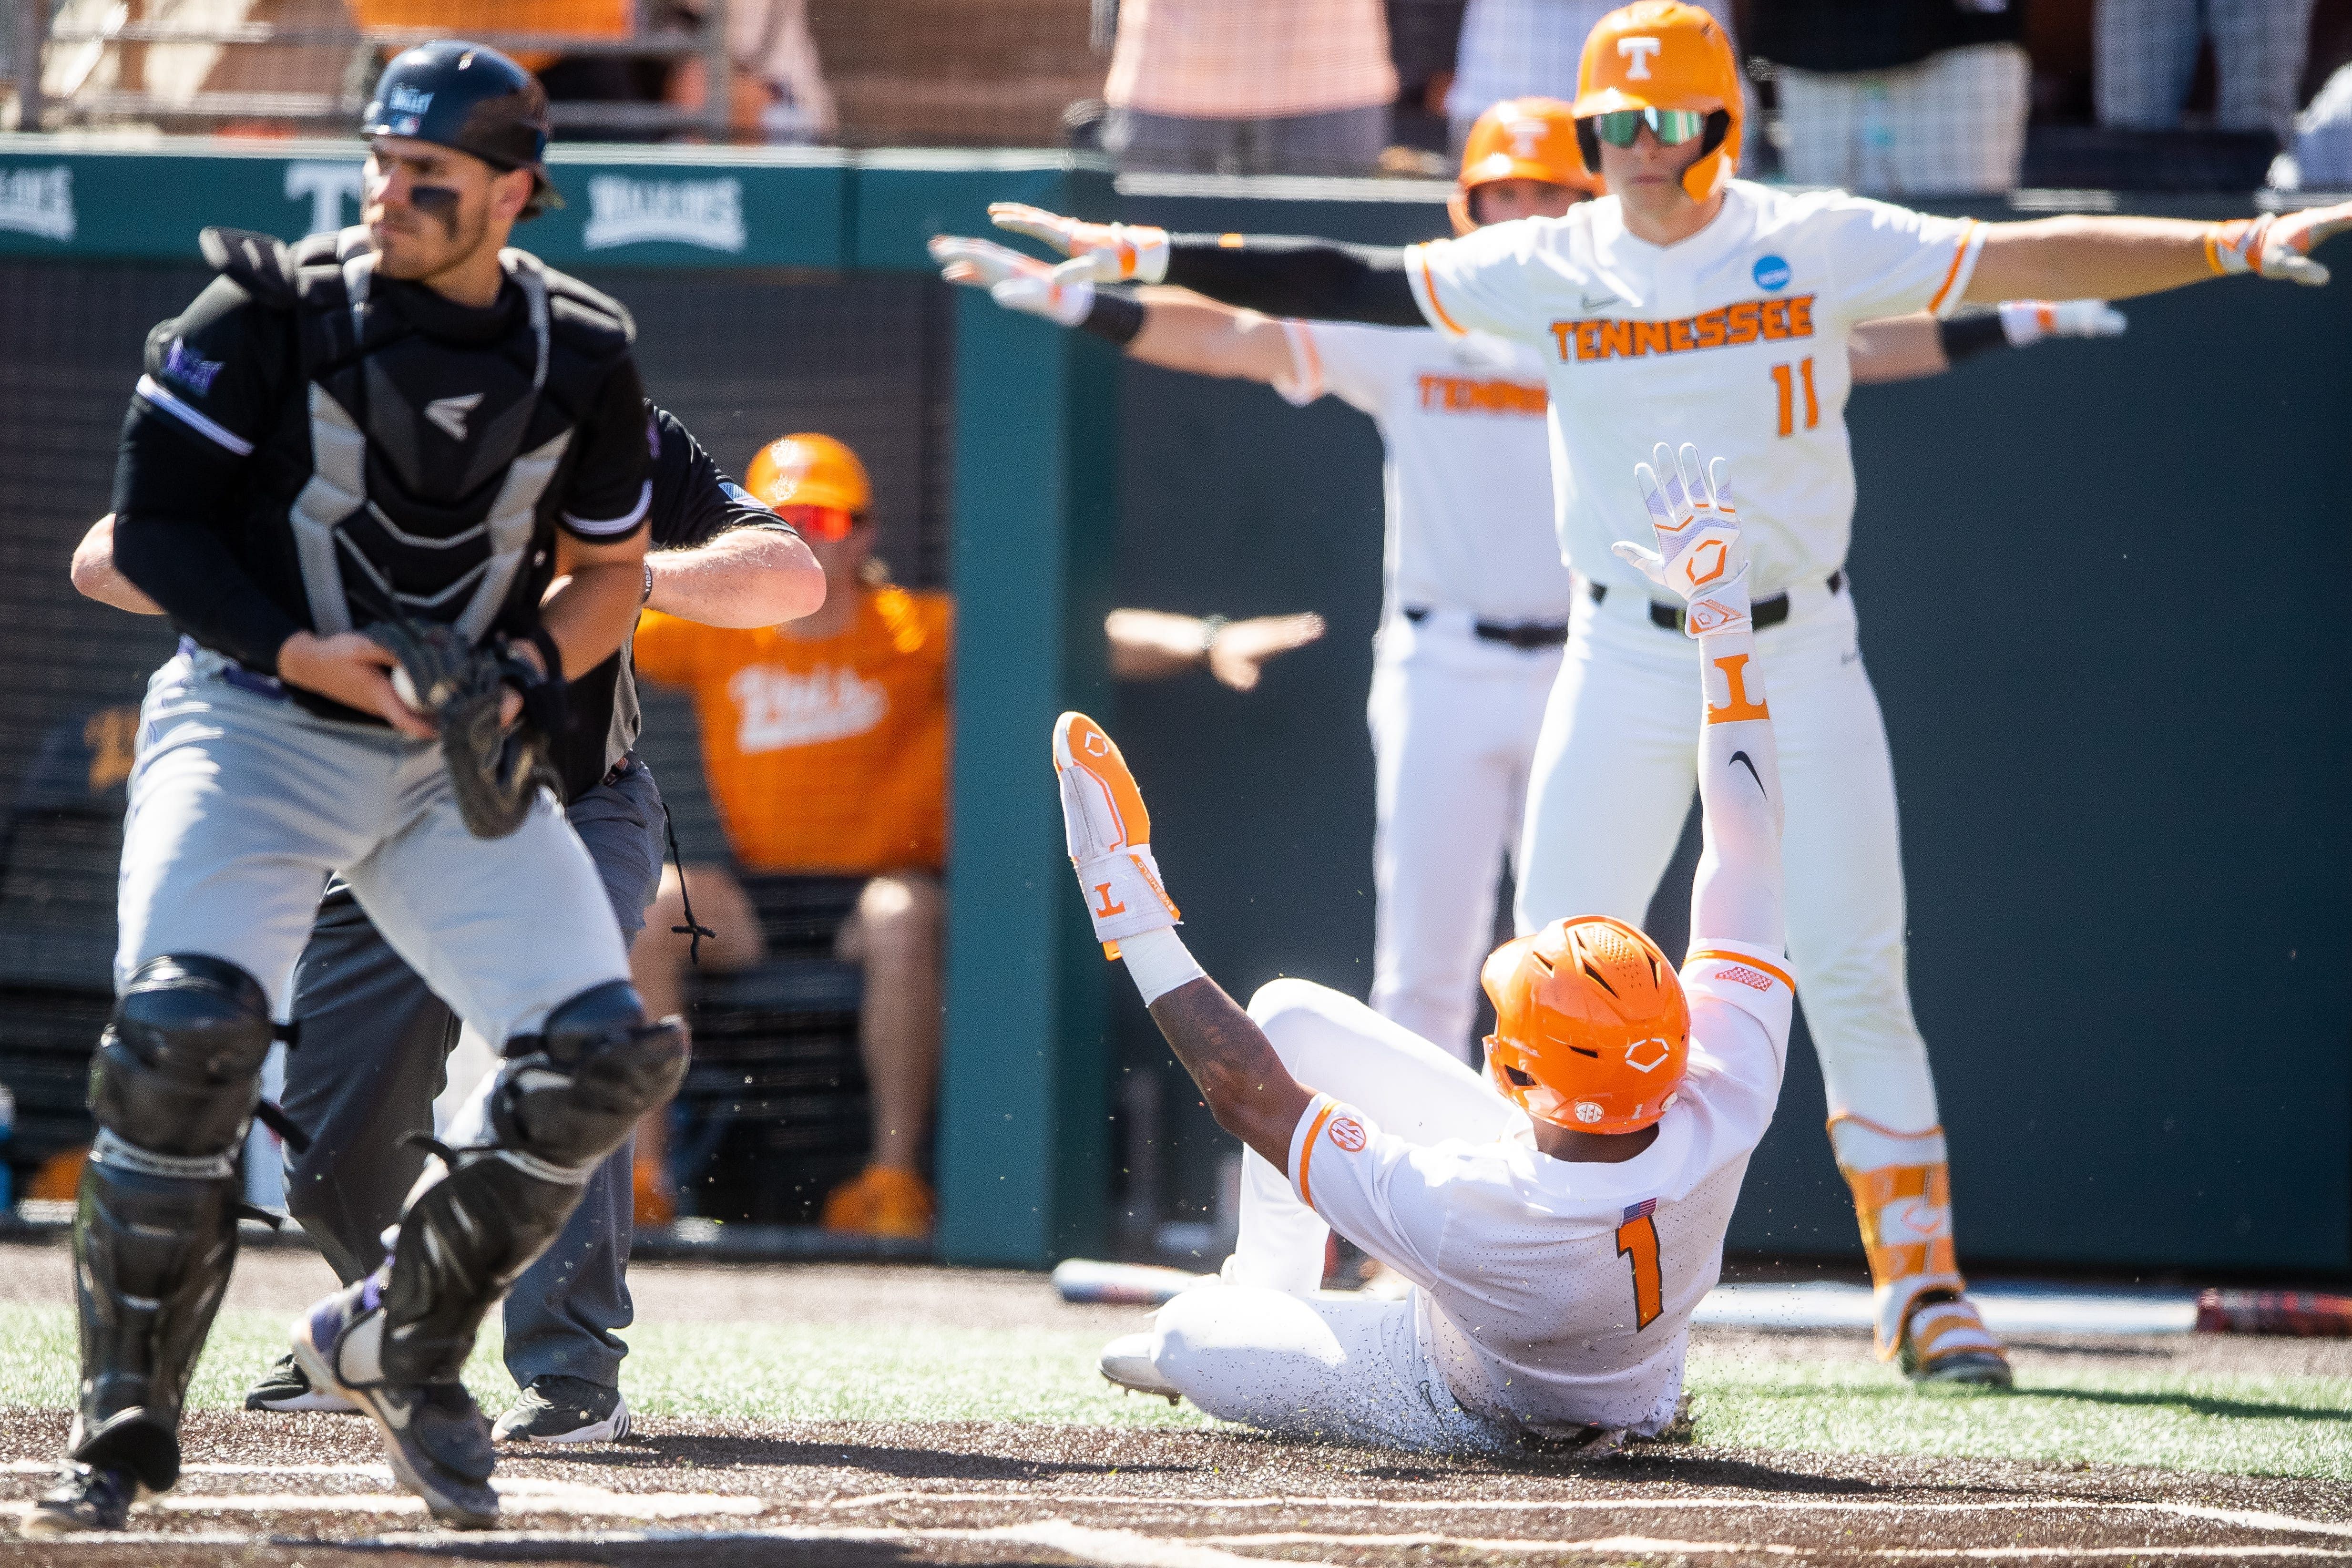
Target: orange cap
(810, 470)
(1591, 1029)
(1520, 139)
(1662, 54)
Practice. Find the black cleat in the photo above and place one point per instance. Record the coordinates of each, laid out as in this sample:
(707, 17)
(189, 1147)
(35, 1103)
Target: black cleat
(433, 1433)
(85, 1498)
(557, 1408)
(286, 1387)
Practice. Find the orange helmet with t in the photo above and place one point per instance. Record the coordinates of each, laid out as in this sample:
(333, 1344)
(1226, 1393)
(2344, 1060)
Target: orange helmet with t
(810, 470)
(1520, 139)
(1662, 54)
(1592, 1028)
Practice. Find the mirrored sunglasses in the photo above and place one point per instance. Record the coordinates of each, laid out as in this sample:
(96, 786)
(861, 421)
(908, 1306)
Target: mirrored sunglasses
(830, 523)
(1672, 126)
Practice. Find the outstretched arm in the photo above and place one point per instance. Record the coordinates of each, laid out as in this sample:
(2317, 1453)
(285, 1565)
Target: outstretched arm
(2117, 258)
(1248, 1090)
(1907, 348)
(1737, 896)
(753, 576)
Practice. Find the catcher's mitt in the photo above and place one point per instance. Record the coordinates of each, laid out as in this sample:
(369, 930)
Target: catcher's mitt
(496, 773)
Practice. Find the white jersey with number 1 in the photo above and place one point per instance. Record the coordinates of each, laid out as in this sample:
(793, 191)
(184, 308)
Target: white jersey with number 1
(1734, 339)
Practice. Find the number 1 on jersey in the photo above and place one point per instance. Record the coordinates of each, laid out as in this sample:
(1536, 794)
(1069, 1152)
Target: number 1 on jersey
(1637, 1240)
(1786, 385)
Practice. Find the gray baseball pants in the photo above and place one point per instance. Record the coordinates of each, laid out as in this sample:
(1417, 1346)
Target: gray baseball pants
(374, 1045)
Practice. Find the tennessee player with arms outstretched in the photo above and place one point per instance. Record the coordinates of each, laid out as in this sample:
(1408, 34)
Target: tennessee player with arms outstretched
(1477, 600)
(1688, 301)
(1559, 1218)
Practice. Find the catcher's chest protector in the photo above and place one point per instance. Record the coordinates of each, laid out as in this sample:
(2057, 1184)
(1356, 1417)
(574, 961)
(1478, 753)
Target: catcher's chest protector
(431, 445)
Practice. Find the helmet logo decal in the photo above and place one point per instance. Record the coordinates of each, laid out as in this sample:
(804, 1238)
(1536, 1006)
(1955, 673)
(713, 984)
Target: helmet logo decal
(406, 100)
(448, 413)
(1638, 51)
(1527, 138)
(1648, 1055)
(1587, 1111)
(1347, 1133)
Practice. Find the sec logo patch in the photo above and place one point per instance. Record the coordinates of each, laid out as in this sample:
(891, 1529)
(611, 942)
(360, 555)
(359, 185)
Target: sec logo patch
(1771, 272)
(1348, 1133)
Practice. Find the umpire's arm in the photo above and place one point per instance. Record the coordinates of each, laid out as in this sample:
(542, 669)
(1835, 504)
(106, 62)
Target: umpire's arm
(96, 577)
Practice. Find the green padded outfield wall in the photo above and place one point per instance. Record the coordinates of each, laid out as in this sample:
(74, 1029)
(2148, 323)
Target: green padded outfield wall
(2084, 574)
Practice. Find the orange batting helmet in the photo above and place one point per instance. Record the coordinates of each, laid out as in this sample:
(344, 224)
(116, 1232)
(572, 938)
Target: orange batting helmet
(812, 481)
(1591, 1029)
(1520, 139)
(1662, 54)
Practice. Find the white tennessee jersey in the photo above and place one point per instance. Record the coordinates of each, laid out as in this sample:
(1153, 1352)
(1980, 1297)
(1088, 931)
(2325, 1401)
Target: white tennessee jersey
(1468, 475)
(1734, 339)
(1558, 1295)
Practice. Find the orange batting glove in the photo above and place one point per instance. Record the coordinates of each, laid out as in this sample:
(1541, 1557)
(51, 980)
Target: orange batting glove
(2276, 244)
(1112, 252)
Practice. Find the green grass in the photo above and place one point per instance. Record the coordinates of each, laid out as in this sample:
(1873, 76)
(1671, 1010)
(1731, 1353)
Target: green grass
(2250, 1425)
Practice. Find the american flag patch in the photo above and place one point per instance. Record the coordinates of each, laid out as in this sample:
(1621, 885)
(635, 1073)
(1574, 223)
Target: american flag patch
(1639, 1211)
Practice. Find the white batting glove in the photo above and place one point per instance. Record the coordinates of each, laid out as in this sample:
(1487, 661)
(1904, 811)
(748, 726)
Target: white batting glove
(2025, 322)
(1700, 558)
(1015, 281)
(1105, 252)
(1110, 833)
(2276, 244)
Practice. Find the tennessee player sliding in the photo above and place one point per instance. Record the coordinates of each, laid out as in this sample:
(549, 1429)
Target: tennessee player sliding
(1688, 301)
(1559, 1218)
(1478, 599)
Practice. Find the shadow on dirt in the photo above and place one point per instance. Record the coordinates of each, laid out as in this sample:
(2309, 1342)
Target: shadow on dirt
(672, 1453)
(2198, 1404)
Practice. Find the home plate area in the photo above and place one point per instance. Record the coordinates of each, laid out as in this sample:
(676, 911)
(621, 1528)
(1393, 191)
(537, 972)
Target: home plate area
(817, 1413)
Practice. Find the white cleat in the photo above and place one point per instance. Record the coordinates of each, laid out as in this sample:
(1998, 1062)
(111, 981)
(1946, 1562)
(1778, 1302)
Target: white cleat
(1126, 1362)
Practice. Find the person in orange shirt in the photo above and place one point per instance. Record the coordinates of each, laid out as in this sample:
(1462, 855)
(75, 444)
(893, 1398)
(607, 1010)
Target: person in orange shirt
(825, 744)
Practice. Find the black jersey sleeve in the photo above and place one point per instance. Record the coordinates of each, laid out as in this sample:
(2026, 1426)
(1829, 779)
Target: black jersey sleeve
(694, 501)
(611, 488)
(213, 379)
(1320, 279)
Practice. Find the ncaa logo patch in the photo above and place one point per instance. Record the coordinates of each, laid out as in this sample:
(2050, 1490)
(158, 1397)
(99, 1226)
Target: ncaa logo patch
(1771, 272)
(1348, 1133)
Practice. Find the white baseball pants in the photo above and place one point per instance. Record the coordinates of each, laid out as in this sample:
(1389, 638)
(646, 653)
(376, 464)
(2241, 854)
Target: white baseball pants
(1263, 1347)
(1614, 772)
(1454, 719)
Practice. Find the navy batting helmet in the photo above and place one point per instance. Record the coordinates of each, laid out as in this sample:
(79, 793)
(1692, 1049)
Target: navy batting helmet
(471, 97)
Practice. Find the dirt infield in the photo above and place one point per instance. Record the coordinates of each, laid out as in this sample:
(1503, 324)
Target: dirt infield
(312, 1489)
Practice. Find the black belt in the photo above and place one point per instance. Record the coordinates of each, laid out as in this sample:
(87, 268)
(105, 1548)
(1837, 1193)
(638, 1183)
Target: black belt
(1522, 635)
(1763, 613)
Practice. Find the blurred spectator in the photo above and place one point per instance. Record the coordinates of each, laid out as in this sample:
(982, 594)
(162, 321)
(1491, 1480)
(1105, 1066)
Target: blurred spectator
(779, 92)
(1249, 87)
(2320, 157)
(568, 77)
(1423, 35)
(1901, 98)
(1522, 48)
(825, 742)
(2147, 56)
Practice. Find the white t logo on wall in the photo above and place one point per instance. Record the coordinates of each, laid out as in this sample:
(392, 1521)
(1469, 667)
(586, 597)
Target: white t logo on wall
(1639, 51)
(327, 186)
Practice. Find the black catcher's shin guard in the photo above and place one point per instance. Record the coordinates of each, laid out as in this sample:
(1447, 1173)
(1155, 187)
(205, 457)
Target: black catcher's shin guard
(564, 1100)
(173, 1086)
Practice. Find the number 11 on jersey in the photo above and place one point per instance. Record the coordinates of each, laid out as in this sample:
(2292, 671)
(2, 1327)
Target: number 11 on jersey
(1785, 385)
(1637, 1242)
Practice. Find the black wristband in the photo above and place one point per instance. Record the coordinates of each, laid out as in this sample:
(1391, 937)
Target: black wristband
(1115, 318)
(1971, 333)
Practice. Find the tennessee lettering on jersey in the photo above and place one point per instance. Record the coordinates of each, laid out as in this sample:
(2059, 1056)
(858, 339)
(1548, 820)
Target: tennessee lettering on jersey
(782, 707)
(1466, 394)
(1728, 326)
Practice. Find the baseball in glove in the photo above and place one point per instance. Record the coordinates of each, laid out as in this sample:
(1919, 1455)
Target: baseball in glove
(495, 771)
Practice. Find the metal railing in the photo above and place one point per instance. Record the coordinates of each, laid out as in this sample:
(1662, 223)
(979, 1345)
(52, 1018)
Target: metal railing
(31, 36)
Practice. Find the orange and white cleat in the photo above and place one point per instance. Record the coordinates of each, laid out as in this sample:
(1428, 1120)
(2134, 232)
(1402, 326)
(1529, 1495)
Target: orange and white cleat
(1924, 1321)
(1109, 835)
(882, 1200)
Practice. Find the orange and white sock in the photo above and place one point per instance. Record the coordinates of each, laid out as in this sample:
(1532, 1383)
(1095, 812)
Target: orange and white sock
(1903, 1197)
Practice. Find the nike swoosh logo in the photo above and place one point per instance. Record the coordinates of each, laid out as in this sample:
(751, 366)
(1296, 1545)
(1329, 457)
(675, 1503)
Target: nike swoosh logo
(1742, 758)
(1606, 301)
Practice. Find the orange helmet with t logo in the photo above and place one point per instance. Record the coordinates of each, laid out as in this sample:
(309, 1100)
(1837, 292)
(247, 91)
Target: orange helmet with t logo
(1662, 54)
(1592, 1028)
(1520, 139)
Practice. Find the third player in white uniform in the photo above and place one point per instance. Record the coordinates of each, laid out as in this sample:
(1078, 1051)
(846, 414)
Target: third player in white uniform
(1560, 1220)
(1689, 302)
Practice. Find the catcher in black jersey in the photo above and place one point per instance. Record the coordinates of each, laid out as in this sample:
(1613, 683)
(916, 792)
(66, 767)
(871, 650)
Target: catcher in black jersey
(374, 1038)
(351, 469)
